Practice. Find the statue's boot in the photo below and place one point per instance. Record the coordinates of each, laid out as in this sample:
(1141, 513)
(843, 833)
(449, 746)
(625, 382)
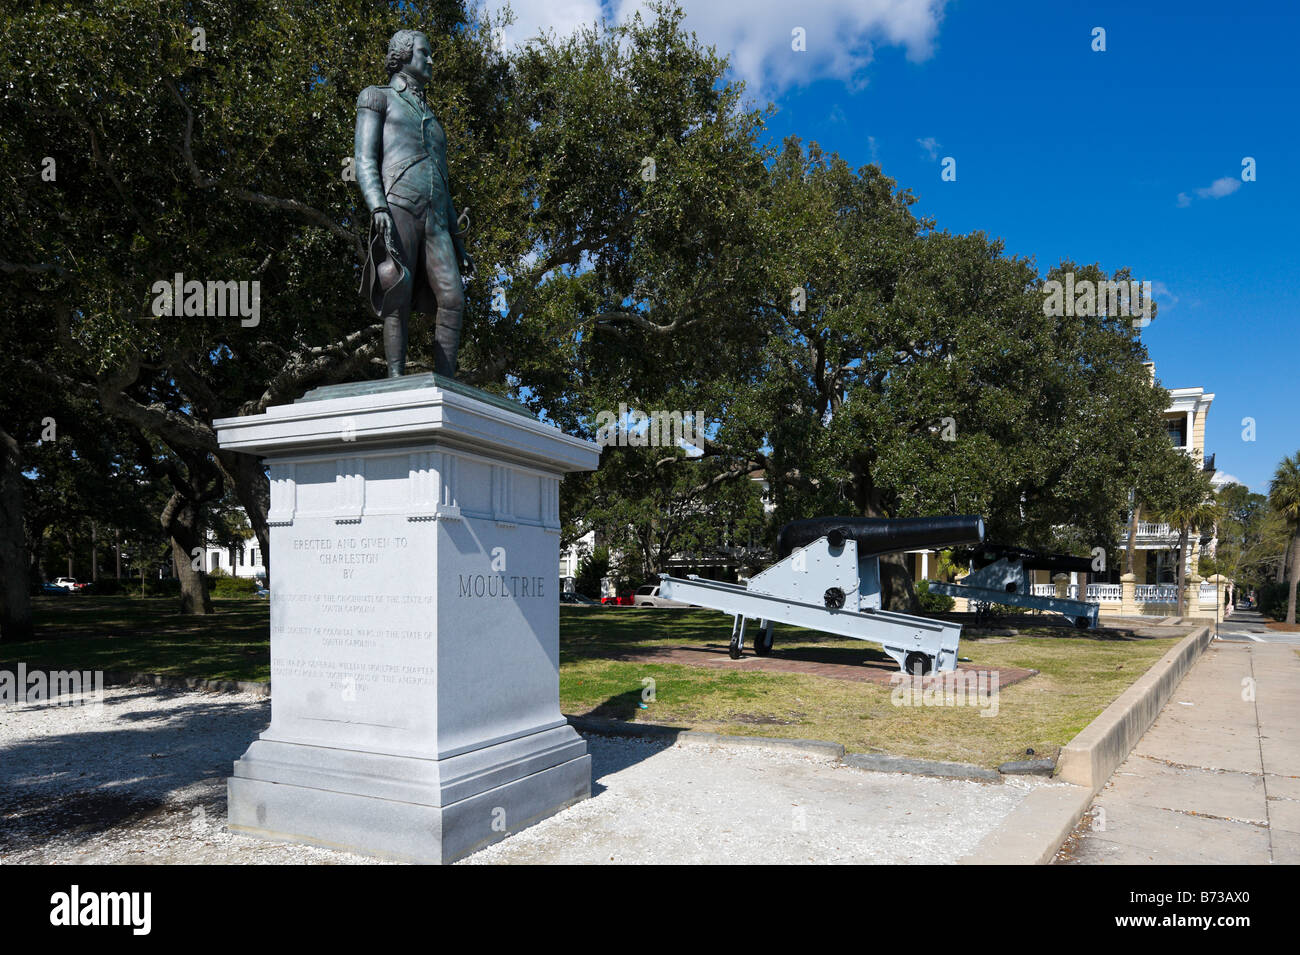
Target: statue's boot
(447, 341)
(395, 344)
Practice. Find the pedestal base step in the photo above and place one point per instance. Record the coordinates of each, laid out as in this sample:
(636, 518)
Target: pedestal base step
(403, 831)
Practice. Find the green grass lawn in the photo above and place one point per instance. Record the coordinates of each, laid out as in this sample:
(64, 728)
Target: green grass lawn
(147, 634)
(1080, 673)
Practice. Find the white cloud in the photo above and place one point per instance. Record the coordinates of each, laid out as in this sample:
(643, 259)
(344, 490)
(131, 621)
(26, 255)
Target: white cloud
(1220, 188)
(1224, 186)
(841, 35)
(1164, 295)
(539, 16)
(931, 146)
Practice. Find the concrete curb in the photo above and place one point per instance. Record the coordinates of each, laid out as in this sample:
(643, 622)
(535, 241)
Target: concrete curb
(1089, 759)
(119, 678)
(880, 763)
(1034, 830)
(162, 681)
(811, 747)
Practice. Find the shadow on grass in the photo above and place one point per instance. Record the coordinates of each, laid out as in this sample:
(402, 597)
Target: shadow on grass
(1042, 625)
(624, 633)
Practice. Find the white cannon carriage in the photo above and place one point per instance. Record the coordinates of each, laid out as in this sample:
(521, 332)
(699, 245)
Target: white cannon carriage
(829, 580)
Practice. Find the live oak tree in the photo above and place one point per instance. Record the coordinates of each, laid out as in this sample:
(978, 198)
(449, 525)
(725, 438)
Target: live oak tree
(910, 371)
(638, 245)
(213, 139)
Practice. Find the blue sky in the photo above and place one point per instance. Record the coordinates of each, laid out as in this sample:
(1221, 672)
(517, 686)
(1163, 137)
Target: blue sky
(1128, 157)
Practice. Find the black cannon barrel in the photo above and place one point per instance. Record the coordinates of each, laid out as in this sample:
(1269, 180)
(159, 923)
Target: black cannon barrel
(1065, 563)
(1034, 559)
(882, 535)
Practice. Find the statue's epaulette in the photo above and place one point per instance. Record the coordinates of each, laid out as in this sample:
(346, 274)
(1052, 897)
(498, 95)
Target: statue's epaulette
(372, 97)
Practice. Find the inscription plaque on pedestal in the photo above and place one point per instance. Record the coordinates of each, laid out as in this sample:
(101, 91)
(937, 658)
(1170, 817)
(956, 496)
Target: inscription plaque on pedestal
(414, 621)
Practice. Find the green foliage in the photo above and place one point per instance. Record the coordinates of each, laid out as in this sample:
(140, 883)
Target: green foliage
(111, 587)
(1245, 544)
(1284, 500)
(1273, 599)
(592, 569)
(933, 603)
(166, 587)
(225, 586)
(923, 377)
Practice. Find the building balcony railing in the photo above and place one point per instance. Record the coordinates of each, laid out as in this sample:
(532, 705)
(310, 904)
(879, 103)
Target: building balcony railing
(1143, 593)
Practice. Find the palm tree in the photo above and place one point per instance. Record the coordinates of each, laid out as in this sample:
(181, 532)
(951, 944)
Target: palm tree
(1284, 498)
(1192, 507)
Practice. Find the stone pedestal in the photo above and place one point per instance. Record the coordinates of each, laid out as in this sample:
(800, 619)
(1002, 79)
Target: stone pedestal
(1128, 595)
(414, 621)
(1222, 608)
(1062, 584)
(1192, 595)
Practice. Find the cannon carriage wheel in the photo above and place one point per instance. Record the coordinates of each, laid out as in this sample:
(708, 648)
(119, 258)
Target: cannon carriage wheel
(917, 660)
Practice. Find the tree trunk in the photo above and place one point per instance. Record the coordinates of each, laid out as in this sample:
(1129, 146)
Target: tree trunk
(94, 552)
(15, 598)
(1182, 570)
(1295, 575)
(180, 519)
(897, 589)
(1132, 537)
(248, 475)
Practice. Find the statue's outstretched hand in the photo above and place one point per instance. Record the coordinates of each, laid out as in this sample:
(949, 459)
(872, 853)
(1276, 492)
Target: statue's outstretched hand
(467, 266)
(384, 223)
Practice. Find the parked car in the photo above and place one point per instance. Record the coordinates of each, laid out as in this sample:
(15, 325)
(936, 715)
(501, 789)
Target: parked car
(55, 589)
(70, 584)
(648, 596)
(617, 601)
(573, 597)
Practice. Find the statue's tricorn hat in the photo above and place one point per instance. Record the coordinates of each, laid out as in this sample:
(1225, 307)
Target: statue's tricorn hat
(383, 271)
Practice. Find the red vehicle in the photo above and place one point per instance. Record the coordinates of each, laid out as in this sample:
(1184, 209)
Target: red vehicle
(618, 601)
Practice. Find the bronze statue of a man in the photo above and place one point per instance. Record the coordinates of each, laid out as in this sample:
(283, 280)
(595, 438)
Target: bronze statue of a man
(401, 166)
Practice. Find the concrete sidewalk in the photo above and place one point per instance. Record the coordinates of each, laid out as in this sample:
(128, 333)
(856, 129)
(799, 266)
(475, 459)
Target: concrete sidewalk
(1216, 779)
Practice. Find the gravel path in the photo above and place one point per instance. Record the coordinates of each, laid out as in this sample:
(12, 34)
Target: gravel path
(143, 781)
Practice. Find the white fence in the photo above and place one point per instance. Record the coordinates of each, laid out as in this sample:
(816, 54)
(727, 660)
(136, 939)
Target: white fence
(1156, 593)
(1143, 593)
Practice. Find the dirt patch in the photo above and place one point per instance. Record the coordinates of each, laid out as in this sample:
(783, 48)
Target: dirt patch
(1283, 627)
